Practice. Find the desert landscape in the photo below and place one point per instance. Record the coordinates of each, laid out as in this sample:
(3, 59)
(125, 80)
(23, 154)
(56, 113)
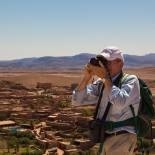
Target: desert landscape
(64, 77)
(44, 46)
(38, 104)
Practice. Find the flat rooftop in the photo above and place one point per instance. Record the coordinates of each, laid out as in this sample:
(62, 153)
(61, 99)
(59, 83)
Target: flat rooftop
(9, 122)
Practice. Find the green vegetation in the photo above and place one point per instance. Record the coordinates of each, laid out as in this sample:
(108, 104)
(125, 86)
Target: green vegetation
(23, 151)
(153, 81)
(31, 152)
(87, 112)
(145, 145)
(20, 142)
(73, 86)
(26, 121)
(4, 116)
(64, 104)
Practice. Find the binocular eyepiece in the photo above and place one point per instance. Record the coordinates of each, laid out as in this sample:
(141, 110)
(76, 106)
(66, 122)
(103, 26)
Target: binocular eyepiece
(95, 61)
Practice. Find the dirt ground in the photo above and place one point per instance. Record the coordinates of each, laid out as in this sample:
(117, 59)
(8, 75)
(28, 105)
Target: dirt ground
(63, 78)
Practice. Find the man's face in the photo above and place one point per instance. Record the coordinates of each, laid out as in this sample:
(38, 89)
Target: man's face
(115, 66)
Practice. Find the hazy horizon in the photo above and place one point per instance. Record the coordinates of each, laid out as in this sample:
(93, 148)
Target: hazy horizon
(65, 28)
(64, 56)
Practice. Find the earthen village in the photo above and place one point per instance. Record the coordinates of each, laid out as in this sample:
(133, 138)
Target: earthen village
(41, 120)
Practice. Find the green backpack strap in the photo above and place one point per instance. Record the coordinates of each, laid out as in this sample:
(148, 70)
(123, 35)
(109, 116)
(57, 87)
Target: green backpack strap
(125, 76)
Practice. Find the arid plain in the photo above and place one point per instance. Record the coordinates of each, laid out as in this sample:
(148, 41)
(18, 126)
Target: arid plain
(65, 77)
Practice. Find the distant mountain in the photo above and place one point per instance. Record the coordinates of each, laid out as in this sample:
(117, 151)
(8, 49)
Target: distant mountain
(139, 61)
(70, 62)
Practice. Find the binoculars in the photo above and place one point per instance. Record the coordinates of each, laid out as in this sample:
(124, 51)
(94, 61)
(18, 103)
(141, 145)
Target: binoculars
(95, 61)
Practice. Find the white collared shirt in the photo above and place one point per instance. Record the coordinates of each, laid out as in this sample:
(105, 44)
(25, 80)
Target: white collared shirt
(121, 98)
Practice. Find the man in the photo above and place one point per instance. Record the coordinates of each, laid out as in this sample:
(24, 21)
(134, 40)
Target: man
(121, 140)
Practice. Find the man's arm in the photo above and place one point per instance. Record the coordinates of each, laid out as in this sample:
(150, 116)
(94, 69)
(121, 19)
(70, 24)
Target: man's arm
(85, 80)
(128, 94)
(86, 93)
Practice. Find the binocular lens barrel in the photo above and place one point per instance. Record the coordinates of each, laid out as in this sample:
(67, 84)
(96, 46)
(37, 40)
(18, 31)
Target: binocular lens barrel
(95, 61)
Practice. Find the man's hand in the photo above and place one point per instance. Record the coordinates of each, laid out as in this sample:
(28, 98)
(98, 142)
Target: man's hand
(86, 78)
(106, 76)
(88, 72)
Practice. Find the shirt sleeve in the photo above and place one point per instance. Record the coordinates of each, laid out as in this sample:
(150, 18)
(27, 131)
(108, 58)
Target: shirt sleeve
(129, 93)
(87, 96)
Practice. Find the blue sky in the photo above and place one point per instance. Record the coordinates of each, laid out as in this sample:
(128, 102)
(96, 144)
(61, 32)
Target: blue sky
(34, 28)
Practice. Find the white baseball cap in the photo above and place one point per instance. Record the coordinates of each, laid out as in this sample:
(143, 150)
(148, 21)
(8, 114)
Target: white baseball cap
(112, 53)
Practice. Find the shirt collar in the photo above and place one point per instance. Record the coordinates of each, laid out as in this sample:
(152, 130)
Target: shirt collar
(115, 77)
